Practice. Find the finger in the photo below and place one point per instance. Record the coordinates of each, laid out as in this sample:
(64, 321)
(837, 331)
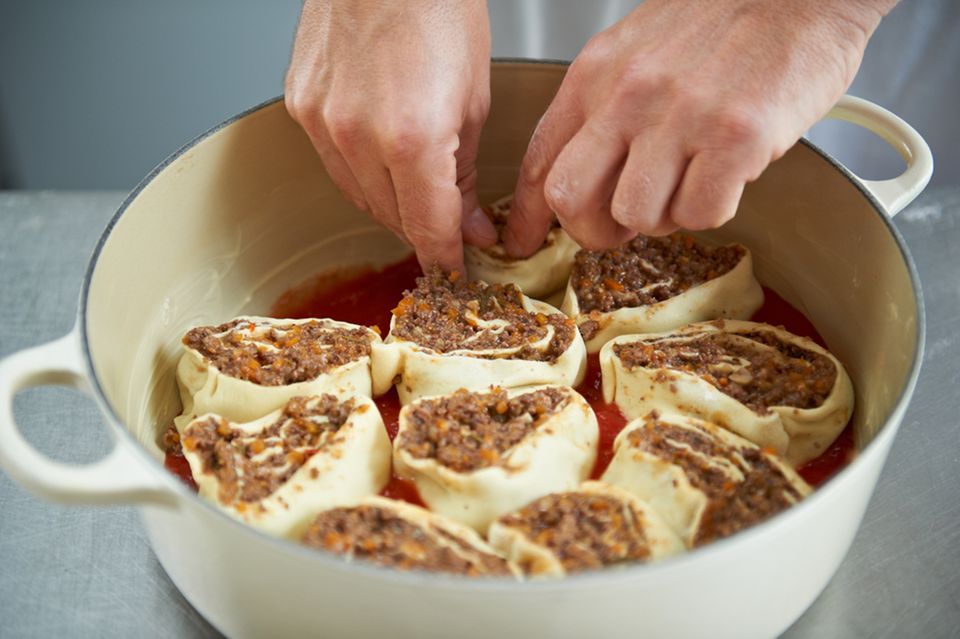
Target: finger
(647, 182)
(581, 183)
(735, 148)
(308, 114)
(374, 180)
(430, 205)
(476, 226)
(709, 193)
(530, 215)
(338, 170)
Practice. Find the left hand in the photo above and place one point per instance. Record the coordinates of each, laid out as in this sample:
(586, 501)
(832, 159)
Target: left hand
(663, 118)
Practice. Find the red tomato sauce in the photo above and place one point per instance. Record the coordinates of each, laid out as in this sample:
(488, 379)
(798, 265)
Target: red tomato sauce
(366, 297)
(177, 464)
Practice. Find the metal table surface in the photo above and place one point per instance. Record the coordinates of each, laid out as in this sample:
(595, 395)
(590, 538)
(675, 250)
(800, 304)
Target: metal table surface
(89, 571)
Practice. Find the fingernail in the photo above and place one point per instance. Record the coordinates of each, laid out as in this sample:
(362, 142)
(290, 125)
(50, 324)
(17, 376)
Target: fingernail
(478, 229)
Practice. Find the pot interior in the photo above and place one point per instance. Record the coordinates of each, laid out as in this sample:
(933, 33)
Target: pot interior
(246, 212)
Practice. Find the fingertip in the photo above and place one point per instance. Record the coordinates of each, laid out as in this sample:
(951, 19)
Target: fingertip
(478, 229)
(512, 244)
(448, 264)
(664, 227)
(708, 196)
(646, 186)
(517, 237)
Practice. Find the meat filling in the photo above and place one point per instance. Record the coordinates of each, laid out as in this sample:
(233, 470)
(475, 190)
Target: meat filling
(647, 270)
(447, 313)
(271, 355)
(757, 369)
(734, 503)
(469, 431)
(252, 466)
(384, 538)
(583, 530)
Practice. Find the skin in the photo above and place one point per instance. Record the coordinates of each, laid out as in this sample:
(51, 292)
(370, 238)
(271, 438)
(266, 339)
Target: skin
(659, 123)
(393, 95)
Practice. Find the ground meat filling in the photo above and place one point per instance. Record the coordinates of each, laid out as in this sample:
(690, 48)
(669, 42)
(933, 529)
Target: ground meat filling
(469, 431)
(782, 375)
(647, 270)
(252, 466)
(447, 313)
(271, 355)
(387, 539)
(583, 530)
(734, 503)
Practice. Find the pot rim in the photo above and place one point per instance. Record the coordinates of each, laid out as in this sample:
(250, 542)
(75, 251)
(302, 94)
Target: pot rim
(444, 581)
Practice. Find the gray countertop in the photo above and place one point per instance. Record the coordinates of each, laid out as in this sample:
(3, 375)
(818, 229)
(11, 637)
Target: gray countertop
(89, 572)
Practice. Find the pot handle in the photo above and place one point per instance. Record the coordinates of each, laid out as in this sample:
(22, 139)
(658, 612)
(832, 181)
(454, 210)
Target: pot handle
(894, 194)
(117, 478)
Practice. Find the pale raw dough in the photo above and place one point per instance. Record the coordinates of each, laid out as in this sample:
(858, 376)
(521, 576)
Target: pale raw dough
(204, 389)
(797, 434)
(554, 457)
(466, 543)
(539, 560)
(736, 294)
(539, 275)
(666, 485)
(424, 372)
(349, 464)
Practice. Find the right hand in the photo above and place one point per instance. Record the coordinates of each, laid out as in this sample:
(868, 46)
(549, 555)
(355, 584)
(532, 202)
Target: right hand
(393, 96)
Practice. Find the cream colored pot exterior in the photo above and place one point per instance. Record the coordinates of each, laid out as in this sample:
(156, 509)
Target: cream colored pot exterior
(246, 211)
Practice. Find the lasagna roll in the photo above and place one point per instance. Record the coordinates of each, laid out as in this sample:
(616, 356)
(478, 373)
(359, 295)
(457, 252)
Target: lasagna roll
(399, 535)
(654, 284)
(449, 333)
(250, 366)
(539, 275)
(276, 472)
(477, 455)
(774, 388)
(706, 482)
(592, 526)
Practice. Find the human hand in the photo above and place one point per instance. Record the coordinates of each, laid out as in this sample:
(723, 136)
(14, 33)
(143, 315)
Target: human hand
(663, 118)
(393, 96)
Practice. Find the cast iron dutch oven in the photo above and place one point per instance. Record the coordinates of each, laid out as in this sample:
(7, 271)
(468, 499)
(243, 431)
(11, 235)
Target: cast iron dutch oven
(245, 211)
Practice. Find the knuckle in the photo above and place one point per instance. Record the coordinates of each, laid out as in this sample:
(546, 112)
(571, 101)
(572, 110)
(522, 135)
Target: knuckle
(402, 144)
(343, 124)
(595, 51)
(640, 81)
(534, 164)
(557, 194)
(689, 98)
(537, 160)
(430, 230)
(736, 126)
(300, 107)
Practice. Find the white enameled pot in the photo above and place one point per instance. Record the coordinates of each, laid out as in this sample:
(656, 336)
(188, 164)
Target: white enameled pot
(246, 210)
